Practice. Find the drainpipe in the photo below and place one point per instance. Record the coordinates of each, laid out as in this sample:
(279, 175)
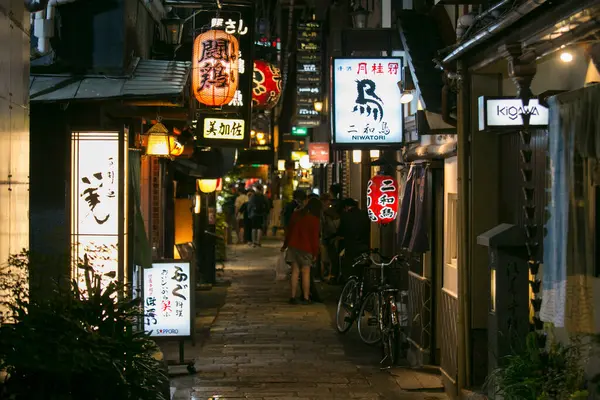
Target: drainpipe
(43, 24)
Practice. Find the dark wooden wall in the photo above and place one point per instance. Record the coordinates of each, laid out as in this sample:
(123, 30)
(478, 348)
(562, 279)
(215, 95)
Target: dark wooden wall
(512, 200)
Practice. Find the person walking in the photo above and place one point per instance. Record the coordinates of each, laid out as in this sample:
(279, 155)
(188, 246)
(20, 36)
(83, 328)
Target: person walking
(258, 207)
(239, 215)
(330, 222)
(355, 230)
(301, 245)
(245, 210)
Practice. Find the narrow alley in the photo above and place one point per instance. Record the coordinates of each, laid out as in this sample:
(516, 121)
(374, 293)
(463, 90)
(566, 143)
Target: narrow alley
(260, 347)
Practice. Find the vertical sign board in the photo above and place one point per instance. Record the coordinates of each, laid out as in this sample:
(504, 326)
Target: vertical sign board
(229, 125)
(168, 299)
(98, 198)
(366, 102)
(507, 112)
(308, 73)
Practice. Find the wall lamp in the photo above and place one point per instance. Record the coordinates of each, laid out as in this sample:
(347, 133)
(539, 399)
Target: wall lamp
(407, 87)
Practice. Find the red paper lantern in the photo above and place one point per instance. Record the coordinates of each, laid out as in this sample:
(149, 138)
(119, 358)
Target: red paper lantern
(266, 85)
(382, 199)
(215, 69)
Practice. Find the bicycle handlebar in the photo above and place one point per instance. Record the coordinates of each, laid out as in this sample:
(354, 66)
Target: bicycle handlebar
(384, 264)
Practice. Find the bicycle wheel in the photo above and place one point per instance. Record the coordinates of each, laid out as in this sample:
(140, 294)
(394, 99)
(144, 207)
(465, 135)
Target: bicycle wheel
(346, 312)
(390, 334)
(368, 325)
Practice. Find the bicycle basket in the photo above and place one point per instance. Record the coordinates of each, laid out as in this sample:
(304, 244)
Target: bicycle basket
(371, 278)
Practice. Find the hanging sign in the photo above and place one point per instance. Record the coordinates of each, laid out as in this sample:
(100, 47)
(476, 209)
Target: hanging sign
(223, 129)
(168, 299)
(382, 199)
(215, 68)
(236, 22)
(366, 102)
(318, 153)
(266, 85)
(505, 112)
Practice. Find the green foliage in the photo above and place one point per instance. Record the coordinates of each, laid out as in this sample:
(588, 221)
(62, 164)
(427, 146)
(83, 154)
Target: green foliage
(74, 343)
(537, 374)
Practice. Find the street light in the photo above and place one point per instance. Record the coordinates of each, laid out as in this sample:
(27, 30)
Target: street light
(359, 17)
(173, 26)
(207, 185)
(318, 105)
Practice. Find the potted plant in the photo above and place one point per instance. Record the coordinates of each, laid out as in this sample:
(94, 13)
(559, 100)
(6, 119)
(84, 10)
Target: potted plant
(554, 373)
(75, 343)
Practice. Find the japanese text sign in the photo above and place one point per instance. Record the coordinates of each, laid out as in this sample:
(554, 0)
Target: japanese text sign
(382, 199)
(220, 128)
(236, 22)
(366, 101)
(168, 299)
(215, 68)
(318, 153)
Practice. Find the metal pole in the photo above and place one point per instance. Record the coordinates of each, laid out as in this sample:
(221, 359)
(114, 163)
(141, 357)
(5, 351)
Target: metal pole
(463, 323)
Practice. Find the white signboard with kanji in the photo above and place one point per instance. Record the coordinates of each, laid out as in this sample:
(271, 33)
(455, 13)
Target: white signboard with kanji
(366, 101)
(168, 290)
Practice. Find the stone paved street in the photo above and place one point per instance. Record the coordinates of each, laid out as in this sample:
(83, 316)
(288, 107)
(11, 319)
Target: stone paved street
(260, 347)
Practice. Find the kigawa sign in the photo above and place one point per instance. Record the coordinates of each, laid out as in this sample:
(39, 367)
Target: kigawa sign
(168, 299)
(366, 101)
(499, 112)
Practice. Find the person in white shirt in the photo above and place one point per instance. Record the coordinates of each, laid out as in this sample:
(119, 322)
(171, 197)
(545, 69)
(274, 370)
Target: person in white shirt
(239, 202)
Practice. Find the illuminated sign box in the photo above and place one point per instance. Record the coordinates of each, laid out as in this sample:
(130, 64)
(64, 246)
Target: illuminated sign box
(297, 155)
(318, 153)
(366, 107)
(168, 298)
(223, 129)
(299, 131)
(507, 112)
(99, 172)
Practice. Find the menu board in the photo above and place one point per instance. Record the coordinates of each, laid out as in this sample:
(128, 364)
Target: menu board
(168, 299)
(308, 73)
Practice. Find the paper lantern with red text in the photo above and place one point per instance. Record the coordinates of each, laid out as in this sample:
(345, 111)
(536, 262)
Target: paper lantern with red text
(215, 69)
(382, 199)
(266, 85)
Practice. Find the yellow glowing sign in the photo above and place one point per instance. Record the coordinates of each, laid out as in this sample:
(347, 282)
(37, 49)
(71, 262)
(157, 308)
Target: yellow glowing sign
(98, 224)
(221, 128)
(297, 155)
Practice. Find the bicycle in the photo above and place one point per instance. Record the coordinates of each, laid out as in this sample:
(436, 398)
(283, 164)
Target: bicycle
(382, 306)
(351, 300)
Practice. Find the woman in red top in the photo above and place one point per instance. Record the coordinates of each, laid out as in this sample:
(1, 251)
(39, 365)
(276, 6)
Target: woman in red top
(302, 244)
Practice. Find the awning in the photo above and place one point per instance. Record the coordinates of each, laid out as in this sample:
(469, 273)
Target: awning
(421, 41)
(150, 79)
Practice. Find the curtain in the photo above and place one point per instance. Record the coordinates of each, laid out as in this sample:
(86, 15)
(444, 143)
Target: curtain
(412, 219)
(554, 281)
(142, 252)
(569, 246)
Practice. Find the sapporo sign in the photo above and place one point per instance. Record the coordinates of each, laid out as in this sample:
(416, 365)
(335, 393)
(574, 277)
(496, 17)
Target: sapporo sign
(168, 299)
(504, 112)
(212, 128)
(366, 102)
